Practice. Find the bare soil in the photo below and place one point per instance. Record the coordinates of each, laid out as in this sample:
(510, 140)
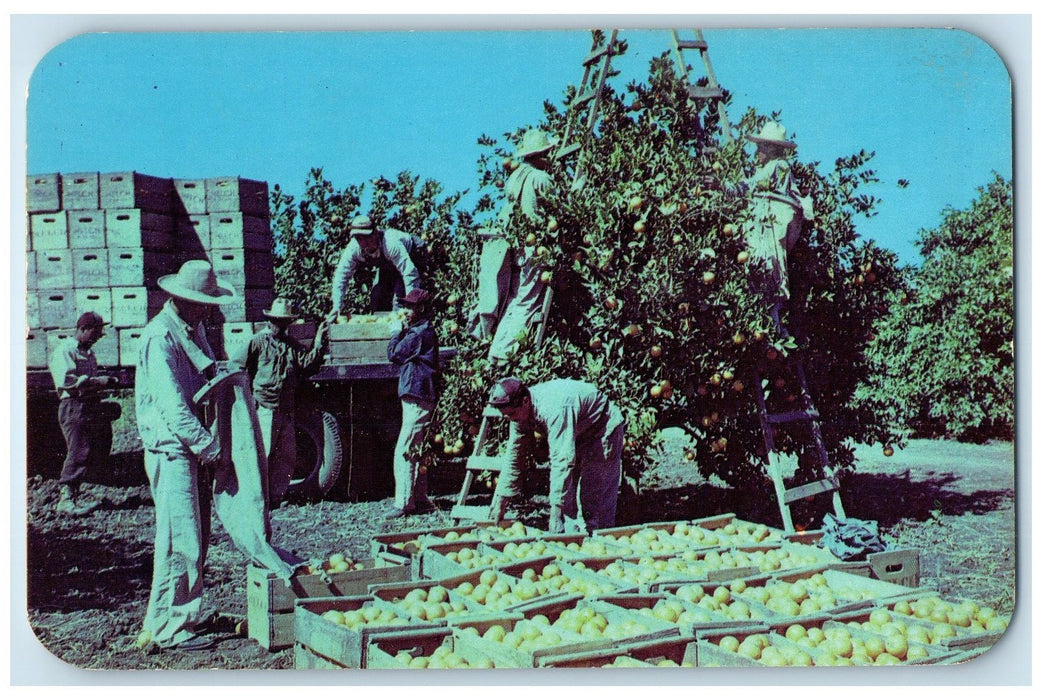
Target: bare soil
(89, 577)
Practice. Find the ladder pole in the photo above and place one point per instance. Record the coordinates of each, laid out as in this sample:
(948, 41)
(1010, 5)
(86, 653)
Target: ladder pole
(721, 113)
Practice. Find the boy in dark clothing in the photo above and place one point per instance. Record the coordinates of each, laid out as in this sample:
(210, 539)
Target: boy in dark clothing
(277, 364)
(415, 350)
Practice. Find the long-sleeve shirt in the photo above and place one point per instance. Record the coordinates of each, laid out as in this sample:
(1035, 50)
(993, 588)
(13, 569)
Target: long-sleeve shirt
(395, 246)
(415, 350)
(525, 190)
(277, 363)
(173, 359)
(571, 414)
(72, 367)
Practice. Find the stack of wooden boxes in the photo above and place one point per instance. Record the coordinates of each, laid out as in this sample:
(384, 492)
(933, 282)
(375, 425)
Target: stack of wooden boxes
(100, 242)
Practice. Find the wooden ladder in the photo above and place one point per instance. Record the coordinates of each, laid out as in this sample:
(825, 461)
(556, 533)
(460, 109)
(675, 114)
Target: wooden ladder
(806, 414)
(479, 462)
(585, 106)
(699, 94)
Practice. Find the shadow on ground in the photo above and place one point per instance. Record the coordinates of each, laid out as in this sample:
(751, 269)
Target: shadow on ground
(69, 573)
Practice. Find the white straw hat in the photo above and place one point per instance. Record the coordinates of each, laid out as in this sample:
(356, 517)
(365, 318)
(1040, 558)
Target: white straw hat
(196, 281)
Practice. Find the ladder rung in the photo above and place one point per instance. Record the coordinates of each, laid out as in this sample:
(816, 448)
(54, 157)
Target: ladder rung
(811, 489)
(791, 417)
(705, 92)
(568, 150)
(595, 56)
(582, 99)
(692, 44)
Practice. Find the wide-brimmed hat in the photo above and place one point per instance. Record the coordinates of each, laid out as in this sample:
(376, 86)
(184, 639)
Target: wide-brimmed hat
(282, 309)
(505, 392)
(534, 141)
(772, 133)
(362, 226)
(415, 298)
(196, 281)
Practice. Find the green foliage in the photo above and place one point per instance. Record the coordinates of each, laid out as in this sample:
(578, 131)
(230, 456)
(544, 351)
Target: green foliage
(310, 236)
(943, 361)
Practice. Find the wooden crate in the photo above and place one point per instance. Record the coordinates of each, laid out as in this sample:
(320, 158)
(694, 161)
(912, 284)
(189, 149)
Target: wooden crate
(253, 302)
(98, 300)
(384, 648)
(709, 653)
(243, 268)
(32, 309)
(136, 228)
(53, 269)
(235, 230)
(133, 307)
(936, 653)
(133, 190)
(335, 643)
(192, 233)
(49, 231)
(228, 194)
(30, 270)
(236, 339)
(358, 351)
(679, 651)
(189, 196)
(57, 308)
(43, 193)
(86, 228)
(270, 603)
(129, 342)
(505, 656)
(81, 191)
(90, 267)
(36, 349)
(139, 267)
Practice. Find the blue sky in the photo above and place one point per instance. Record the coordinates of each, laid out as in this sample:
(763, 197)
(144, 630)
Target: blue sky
(934, 104)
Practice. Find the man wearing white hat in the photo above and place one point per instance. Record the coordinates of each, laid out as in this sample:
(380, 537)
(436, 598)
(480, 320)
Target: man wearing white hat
(584, 431)
(186, 466)
(277, 363)
(778, 209)
(398, 257)
(510, 291)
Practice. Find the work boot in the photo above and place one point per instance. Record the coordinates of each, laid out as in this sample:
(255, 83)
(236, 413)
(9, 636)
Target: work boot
(70, 501)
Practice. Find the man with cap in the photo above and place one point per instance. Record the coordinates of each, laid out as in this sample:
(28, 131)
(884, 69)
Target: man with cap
(778, 210)
(510, 288)
(186, 466)
(584, 433)
(398, 257)
(415, 350)
(84, 425)
(277, 363)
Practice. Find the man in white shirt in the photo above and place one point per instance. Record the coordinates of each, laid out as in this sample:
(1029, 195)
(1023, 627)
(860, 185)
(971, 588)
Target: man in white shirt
(584, 432)
(75, 371)
(397, 256)
(187, 469)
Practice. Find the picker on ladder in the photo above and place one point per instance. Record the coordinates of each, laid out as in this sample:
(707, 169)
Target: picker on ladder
(778, 213)
(531, 299)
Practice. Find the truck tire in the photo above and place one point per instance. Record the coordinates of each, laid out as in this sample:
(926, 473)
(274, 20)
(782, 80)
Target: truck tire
(320, 454)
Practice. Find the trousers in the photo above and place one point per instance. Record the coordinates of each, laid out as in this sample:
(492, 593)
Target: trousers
(410, 486)
(279, 431)
(88, 437)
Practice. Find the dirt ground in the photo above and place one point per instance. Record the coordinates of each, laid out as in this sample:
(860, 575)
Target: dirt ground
(88, 578)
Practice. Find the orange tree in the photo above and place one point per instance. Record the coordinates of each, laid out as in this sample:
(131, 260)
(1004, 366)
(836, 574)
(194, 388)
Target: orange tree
(942, 362)
(652, 288)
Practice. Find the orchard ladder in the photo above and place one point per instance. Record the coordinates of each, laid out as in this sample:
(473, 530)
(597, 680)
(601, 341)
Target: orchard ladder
(580, 120)
(479, 462)
(808, 415)
(698, 93)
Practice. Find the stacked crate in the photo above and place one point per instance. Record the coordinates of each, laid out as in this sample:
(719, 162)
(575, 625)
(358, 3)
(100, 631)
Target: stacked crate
(101, 241)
